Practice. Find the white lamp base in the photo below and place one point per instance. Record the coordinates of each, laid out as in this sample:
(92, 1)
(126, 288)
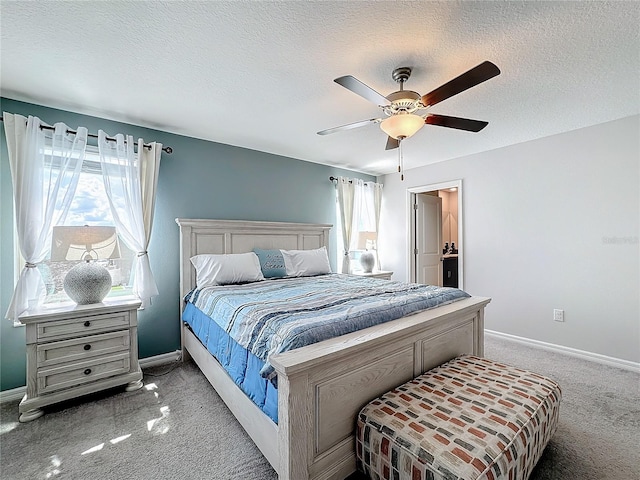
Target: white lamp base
(87, 283)
(368, 261)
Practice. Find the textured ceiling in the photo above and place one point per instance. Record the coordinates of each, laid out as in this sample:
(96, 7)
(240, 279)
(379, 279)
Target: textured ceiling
(260, 74)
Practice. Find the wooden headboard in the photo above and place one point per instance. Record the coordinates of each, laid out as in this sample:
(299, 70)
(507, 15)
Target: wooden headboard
(199, 236)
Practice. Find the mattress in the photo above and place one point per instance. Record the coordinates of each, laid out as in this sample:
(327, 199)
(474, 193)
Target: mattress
(241, 325)
(275, 316)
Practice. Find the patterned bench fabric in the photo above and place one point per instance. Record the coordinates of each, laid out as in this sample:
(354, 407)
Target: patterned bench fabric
(471, 418)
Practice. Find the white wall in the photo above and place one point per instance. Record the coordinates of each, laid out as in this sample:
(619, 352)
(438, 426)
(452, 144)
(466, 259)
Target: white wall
(550, 223)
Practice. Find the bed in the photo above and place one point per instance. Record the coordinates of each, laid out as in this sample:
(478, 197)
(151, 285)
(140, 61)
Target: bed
(321, 387)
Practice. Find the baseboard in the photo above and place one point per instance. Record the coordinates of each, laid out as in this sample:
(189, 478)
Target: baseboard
(164, 358)
(13, 394)
(574, 352)
(161, 359)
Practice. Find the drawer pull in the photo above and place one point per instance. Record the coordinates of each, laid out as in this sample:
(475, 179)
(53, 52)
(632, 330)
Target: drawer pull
(87, 323)
(87, 347)
(87, 371)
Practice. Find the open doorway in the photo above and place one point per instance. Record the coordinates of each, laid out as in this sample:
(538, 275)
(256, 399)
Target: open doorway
(436, 247)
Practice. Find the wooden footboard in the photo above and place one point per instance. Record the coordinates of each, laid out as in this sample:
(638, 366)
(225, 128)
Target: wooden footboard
(322, 387)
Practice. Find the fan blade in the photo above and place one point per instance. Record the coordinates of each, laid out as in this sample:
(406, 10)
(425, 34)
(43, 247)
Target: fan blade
(356, 86)
(473, 77)
(349, 126)
(392, 143)
(456, 122)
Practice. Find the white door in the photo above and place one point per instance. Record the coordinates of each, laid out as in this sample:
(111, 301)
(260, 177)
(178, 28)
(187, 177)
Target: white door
(428, 211)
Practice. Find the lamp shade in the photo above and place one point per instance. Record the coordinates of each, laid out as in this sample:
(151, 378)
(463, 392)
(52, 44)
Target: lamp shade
(84, 243)
(402, 125)
(367, 240)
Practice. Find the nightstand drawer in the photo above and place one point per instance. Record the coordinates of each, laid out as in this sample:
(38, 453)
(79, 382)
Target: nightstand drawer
(78, 327)
(73, 375)
(78, 349)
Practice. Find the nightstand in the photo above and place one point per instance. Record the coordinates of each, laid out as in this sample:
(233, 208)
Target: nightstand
(75, 350)
(386, 275)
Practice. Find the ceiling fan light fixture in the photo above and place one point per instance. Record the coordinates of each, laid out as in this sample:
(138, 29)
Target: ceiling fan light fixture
(402, 125)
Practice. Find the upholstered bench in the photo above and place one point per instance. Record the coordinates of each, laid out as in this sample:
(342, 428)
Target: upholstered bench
(471, 418)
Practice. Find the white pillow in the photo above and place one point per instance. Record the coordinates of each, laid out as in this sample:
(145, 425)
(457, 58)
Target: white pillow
(305, 263)
(226, 268)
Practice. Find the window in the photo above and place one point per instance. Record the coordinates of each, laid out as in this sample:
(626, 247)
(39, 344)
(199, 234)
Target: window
(90, 206)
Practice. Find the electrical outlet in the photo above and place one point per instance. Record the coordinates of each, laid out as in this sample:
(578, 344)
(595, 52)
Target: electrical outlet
(558, 315)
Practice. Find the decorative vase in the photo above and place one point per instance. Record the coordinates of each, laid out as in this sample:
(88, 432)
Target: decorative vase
(367, 260)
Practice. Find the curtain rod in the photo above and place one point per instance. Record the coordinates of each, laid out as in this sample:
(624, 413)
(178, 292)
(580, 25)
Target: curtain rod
(335, 179)
(167, 150)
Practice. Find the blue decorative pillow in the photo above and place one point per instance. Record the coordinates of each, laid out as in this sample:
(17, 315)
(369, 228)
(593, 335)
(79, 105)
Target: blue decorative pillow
(271, 263)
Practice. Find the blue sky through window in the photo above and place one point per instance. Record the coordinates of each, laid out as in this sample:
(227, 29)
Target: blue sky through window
(90, 205)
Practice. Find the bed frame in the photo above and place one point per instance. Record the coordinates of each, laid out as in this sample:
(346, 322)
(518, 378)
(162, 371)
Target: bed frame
(322, 387)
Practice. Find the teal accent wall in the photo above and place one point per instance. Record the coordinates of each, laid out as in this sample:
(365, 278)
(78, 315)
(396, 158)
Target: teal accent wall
(201, 179)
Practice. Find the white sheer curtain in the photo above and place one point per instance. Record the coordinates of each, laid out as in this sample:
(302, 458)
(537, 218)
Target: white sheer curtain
(373, 200)
(361, 212)
(131, 188)
(45, 169)
(346, 197)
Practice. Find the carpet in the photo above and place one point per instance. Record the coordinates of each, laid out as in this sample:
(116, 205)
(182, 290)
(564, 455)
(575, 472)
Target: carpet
(176, 427)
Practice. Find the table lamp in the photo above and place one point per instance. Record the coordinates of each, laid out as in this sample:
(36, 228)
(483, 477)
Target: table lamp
(367, 241)
(87, 282)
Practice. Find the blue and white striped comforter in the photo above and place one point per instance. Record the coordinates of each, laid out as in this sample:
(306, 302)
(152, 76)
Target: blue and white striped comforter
(274, 316)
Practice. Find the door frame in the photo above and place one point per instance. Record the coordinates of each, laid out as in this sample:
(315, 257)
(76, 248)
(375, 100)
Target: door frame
(411, 227)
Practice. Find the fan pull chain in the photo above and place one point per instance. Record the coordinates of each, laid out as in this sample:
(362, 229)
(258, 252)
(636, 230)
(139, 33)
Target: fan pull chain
(400, 160)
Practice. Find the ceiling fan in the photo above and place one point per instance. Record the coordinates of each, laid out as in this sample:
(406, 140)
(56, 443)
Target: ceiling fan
(407, 111)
